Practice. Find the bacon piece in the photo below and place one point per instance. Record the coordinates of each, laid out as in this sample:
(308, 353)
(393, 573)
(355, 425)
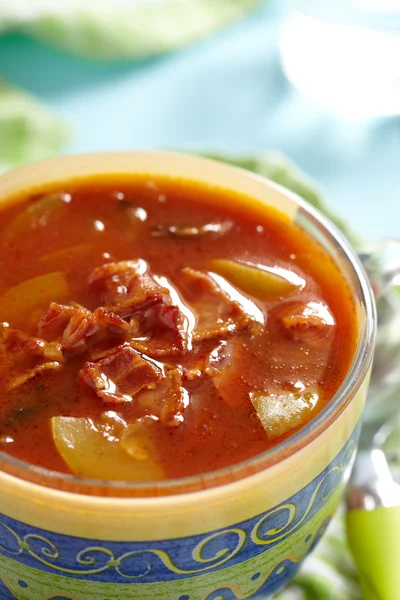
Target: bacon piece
(55, 319)
(167, 401)
(165, 330)
(27, 356)
(86, 330)
(157, 327)
(125, 287)
(123, 374)
(19, 346)
(120, 375)
(218, 316)
(77, 327)
(308, 321)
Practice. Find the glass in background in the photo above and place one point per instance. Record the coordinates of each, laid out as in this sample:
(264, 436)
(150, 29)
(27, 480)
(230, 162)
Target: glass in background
(345, 54)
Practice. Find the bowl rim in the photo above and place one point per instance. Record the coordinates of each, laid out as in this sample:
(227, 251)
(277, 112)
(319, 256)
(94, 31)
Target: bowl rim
(46, 478)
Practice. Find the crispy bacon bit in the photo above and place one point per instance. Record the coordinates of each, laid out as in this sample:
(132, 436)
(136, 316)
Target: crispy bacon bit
(20, 346)
(164, 328)
(83, 330)
(78, 327)
(27, 356)
(55, 319)
(156, 327)
(308, 322)
(167, 401)
(120, 375)
(125, 287)
(52, 351)
(217, 314)
(107, 277)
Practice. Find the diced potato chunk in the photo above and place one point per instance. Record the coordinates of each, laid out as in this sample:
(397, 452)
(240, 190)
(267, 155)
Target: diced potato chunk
(105, 449)
(281, 413)
(21, 300)
(261, 282)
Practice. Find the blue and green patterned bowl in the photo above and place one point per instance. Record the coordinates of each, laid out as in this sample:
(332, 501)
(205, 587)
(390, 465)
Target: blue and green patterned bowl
(237, 533)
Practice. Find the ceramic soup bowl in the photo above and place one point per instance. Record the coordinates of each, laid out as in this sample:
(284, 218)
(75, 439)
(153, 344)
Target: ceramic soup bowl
(237, 533)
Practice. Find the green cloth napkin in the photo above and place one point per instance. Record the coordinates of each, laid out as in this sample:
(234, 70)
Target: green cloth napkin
(278, 168)
(28, 132)
(119, 29)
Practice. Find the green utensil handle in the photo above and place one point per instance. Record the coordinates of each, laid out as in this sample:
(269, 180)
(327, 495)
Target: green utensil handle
(374, 539)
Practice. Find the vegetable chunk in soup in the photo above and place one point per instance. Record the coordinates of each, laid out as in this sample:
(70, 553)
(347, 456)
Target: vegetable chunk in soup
(157, 329)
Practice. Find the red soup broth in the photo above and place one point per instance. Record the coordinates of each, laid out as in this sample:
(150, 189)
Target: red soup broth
(154, 329)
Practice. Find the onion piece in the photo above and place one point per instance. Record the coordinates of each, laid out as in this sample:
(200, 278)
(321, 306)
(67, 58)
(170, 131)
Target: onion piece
(260, 281)
(36, 215)
(283, 412)
(18, 303)
(104, 449)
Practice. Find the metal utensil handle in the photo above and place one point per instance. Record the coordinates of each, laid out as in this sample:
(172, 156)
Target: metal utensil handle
(373, 499)
(382, 263)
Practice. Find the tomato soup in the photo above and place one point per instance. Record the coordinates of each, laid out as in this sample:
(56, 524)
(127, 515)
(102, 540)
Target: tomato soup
(153, 328)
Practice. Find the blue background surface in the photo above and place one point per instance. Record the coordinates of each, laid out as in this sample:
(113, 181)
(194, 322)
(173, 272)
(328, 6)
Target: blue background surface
(226, 92)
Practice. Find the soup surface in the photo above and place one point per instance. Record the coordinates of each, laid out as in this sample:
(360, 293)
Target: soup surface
(154, 329)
